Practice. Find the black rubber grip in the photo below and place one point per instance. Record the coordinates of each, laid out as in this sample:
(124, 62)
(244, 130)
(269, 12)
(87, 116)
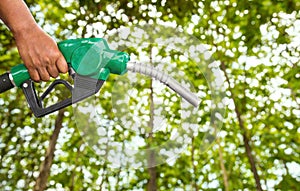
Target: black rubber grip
(5, 83)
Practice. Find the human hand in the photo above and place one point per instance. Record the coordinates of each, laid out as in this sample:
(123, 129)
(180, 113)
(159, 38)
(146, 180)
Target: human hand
(40, 54)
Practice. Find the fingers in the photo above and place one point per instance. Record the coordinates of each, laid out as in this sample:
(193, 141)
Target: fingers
(44, 74)
(39, 74)
(41, 55)
(34, 75)
(61, 64)
(42, 70)
(54, 65)
(53, 71)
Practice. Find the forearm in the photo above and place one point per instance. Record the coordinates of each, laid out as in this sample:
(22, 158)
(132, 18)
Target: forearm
(16, 15)
(37, 49)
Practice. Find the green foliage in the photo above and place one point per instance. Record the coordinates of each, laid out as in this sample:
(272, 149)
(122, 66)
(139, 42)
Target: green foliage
(257, 41)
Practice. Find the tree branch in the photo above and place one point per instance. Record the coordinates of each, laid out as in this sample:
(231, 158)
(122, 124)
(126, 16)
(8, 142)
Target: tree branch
(151, 160)
(244, 133)
(222, 165)
(41, 182)
(193, 165)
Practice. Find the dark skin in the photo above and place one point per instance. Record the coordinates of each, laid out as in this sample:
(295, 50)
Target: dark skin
(37, 49)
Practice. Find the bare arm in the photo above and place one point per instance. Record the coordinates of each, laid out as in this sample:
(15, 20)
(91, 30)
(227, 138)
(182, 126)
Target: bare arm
(37, 49)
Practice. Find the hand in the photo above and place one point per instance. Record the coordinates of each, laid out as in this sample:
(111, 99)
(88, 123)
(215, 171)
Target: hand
(40, 54)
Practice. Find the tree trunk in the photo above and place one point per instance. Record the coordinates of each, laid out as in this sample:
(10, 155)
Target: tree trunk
(222, 165)
(246, 139)
(152, 172)
(151, 160)
(41, 182)
(73, 174)
(195, 185)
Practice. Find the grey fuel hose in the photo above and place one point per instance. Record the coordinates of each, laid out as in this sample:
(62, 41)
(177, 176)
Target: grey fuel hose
(165, 79)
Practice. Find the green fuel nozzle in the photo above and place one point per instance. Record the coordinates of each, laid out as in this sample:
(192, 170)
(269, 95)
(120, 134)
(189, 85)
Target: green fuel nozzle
(87, 57)
(90, 62)
(92, 57)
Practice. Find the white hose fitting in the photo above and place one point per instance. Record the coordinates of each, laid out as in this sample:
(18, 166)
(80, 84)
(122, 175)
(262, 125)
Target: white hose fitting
(165, 79)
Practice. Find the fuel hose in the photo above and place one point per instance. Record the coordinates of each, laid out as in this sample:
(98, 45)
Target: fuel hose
(165, 79)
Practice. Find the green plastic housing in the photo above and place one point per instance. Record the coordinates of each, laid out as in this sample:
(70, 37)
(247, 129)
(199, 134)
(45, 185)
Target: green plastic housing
(87, 56)
(19, 74)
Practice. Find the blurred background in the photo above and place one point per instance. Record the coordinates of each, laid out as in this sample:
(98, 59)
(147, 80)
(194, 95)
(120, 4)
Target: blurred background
(254, 145)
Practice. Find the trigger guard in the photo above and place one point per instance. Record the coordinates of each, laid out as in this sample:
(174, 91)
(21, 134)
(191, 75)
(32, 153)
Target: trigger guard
(78, 93)
(52, 87)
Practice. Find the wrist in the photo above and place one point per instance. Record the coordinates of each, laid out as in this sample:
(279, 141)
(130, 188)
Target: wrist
(24, 29)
